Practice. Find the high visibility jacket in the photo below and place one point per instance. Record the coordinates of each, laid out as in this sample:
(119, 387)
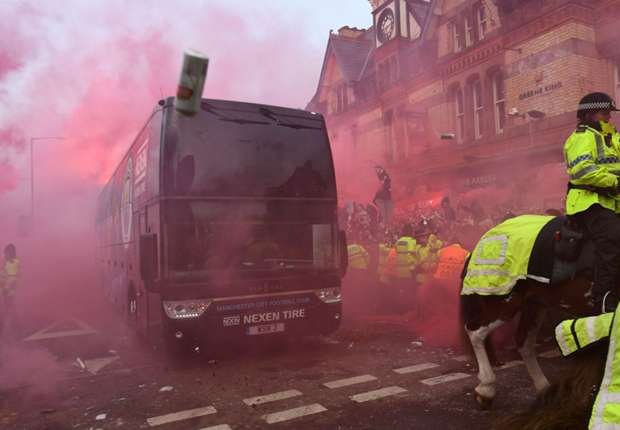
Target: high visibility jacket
(615, 141)
(576, 334)
(591, 162)
(451, 261)
(501, 257)
(427, 258)
(9, 276)
(358, 257)
(405, 256)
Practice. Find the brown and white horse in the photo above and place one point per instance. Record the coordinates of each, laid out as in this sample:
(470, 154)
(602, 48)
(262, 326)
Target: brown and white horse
(529, 299)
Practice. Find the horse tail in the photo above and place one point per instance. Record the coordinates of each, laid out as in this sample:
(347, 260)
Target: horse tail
(568, 403)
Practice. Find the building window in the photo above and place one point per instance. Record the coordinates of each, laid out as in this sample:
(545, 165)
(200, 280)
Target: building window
(459, 113)
(478, 108)
(457, 36)
(499, 102)
(481, 14)
(469, 31)
(617, 83)
(387, 73)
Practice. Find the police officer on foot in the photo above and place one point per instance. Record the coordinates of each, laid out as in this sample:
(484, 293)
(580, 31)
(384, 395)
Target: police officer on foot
(9, 276)
(593, 166)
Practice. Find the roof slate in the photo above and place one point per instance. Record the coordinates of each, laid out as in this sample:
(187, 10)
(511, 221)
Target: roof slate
(352, 54)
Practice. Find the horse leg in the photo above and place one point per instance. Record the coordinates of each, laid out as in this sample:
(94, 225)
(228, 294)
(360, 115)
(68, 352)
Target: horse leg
(485, 391)
(529, 324)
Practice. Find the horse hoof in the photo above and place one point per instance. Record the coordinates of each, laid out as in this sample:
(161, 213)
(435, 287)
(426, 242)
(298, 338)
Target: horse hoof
(485, 403)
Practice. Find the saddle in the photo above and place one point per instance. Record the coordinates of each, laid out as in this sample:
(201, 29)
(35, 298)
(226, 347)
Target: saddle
(560, 241)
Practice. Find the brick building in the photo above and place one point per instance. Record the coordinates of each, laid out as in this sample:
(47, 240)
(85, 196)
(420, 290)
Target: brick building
(502, 77)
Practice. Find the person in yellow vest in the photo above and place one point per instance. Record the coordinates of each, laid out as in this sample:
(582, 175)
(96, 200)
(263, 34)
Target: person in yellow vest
(358, 257)
(382, 270)
(406, 248)
(576, 334)
(593, 166)
(9, 279)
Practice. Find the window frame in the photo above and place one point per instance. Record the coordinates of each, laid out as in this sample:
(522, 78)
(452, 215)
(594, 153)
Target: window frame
(482, 20)
(459, 113)
(470, 34)
(478, 108)
(457, 37)
(500, 119)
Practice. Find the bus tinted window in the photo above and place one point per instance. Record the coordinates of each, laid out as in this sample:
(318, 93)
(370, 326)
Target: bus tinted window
(247, 151)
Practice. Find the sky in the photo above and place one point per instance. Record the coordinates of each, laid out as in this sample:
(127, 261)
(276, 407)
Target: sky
(91, 72)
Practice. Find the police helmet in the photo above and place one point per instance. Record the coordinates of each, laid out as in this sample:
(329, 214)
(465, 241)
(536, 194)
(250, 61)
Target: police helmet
(595, 102)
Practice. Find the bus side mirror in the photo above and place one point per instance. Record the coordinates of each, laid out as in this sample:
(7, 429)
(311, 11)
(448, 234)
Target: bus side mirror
(344, 255)
(148, 258)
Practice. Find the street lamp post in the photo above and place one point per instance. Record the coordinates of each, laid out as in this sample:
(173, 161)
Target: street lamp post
(32, 140)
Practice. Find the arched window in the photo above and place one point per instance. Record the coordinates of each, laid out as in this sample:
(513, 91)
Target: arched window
(499, 101)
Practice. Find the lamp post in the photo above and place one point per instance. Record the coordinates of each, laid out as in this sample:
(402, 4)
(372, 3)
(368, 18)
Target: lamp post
(32, 140)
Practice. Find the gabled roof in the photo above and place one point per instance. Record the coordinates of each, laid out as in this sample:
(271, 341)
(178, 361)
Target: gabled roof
(351, 53)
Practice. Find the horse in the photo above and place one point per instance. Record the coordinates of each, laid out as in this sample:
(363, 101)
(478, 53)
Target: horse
(531, 299)
(566, 404)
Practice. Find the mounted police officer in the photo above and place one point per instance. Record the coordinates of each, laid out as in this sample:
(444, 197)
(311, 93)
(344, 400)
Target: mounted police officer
(593, 164)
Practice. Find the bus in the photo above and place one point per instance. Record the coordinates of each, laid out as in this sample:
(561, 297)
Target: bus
(223, 225)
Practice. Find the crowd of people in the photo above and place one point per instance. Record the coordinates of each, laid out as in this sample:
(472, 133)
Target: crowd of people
(460, 222)
(418, 244)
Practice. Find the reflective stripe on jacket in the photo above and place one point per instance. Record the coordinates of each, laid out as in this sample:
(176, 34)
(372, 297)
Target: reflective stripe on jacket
(590, 161)
(501, 257)
(572, 335)
(575, 334)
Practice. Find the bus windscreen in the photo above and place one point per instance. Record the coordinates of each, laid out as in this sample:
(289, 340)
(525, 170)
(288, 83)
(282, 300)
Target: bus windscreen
(248, 151)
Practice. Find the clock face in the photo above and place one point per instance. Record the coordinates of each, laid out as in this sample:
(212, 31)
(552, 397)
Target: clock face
(385, 25)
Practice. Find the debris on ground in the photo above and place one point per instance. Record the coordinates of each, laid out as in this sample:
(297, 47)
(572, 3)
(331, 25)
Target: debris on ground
(166, 388)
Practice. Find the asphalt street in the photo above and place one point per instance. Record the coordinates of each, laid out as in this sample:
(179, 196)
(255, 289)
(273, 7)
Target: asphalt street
(376, 372)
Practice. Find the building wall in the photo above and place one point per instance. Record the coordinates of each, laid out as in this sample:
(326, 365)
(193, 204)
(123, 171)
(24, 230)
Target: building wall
(548, 63)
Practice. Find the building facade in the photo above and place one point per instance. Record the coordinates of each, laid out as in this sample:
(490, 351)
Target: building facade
(455, 96)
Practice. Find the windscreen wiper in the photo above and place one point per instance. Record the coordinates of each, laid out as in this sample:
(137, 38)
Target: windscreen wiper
(272, 116)
(207, 107)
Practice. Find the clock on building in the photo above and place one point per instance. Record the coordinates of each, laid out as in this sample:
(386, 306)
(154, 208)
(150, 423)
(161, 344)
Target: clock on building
(385, 25)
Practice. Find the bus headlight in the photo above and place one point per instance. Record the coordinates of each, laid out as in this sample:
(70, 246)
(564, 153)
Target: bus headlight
(185, 309)
(329, 295)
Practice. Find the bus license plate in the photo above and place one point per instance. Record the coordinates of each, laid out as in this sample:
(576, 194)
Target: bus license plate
(264, 329)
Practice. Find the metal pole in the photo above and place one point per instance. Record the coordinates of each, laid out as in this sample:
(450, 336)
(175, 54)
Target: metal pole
(531, 137)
